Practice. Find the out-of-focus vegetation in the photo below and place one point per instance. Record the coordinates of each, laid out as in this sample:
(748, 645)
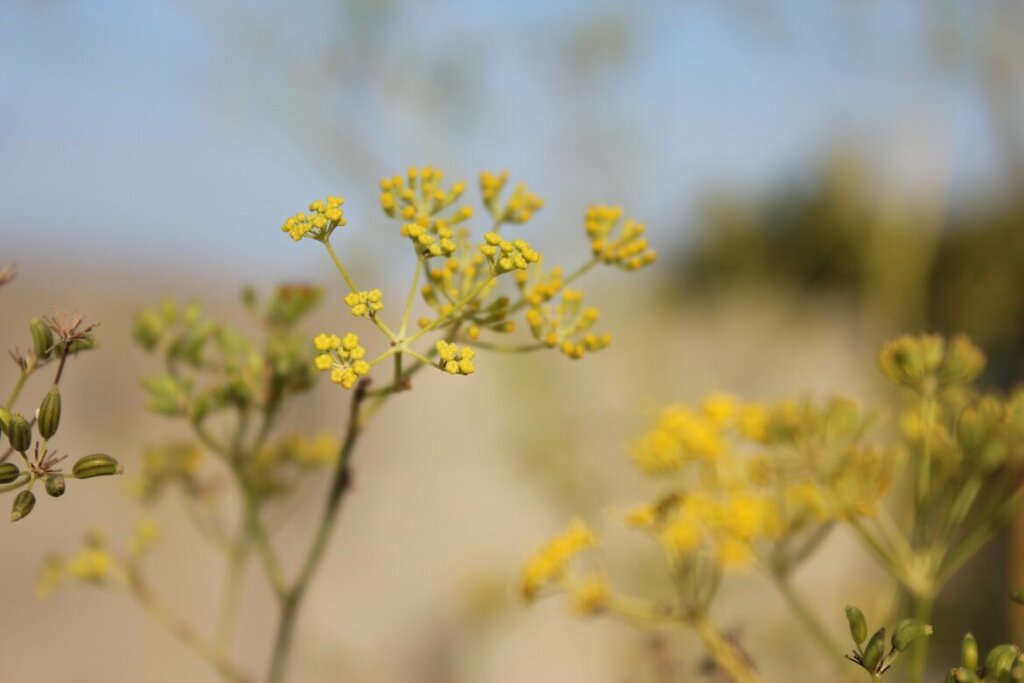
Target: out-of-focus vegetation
(835, 233)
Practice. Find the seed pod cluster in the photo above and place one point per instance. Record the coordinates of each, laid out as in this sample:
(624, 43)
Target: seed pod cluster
(874, 658)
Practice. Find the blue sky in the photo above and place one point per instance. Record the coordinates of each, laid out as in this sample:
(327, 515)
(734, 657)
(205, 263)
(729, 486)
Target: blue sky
(138, 134)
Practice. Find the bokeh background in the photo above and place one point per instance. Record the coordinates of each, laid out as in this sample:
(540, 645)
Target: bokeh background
(817, 176)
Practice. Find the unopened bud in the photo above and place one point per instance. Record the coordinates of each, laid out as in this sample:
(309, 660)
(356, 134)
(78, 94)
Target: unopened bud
(969, 652)
(96, 465)
(858, 625)
(1000, 659)
(55, 484)
(23, 504)
(42, 338)
(48, 418)
(908, 631)
(874, 650)
(8, 472)
(19, 432)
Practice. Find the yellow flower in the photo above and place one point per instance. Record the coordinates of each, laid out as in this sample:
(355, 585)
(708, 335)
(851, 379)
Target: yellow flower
(343, 358)
(455, 360)
(549, 563)
(590, 596)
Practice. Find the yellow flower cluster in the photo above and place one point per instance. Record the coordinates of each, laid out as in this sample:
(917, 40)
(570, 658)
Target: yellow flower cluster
(418, 199)
(93, 563)
(538, 287)
(343, 356)
(323, 218)
(455, 360)
(505, 256)
(752, 472)
(928, 364)
(364, 303)
(462, 285)
(176, 462)
(521, 205)
(566, 326)
(617, 242)
(548, 565)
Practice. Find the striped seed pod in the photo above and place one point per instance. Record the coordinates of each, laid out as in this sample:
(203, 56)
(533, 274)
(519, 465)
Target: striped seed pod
(48, 418)
(23, 504)
(96, 465)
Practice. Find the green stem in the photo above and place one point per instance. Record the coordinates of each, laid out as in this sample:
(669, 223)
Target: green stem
(410, 298)
(181, 630)
(230, 595)
(18, 386)
(921, 607)
(725, 654)
(810, 622)
(341, 269)
(291, 601)
(352, 286)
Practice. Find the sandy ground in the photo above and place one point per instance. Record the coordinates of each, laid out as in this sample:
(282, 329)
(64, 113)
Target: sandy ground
(450, 495)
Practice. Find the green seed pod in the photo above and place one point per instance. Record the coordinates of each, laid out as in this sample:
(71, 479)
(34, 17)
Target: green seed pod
(1000, 659)
(907, 631)
(969, 652)
(48, 418)
(42, 338)
(96, 465)
(8, 472)
(5, 417)
(858, 625)
(23, 504)
(19, 432)
(874, 650)
(55, 484)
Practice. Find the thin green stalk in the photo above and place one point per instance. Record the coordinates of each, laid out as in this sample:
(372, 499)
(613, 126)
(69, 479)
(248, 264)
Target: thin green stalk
(18, 386)
(236, 561)
(921, 607)
(410, 299)
(725, 654)
(292, 599)
(352, 286)
(181, 630)
(810, 622)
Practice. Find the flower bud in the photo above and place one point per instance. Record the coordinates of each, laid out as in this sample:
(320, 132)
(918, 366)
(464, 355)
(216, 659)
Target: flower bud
(858, 625)
(48, 417)
(907, 631)
(874, 650)
(8, 472)
(1000, 659)
(969, 652)
(19, 432)
(96, 465)
(23, 504)
(55, 484)
(42, 338)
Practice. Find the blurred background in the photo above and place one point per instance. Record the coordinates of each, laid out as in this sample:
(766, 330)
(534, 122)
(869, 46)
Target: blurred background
(817, 176)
